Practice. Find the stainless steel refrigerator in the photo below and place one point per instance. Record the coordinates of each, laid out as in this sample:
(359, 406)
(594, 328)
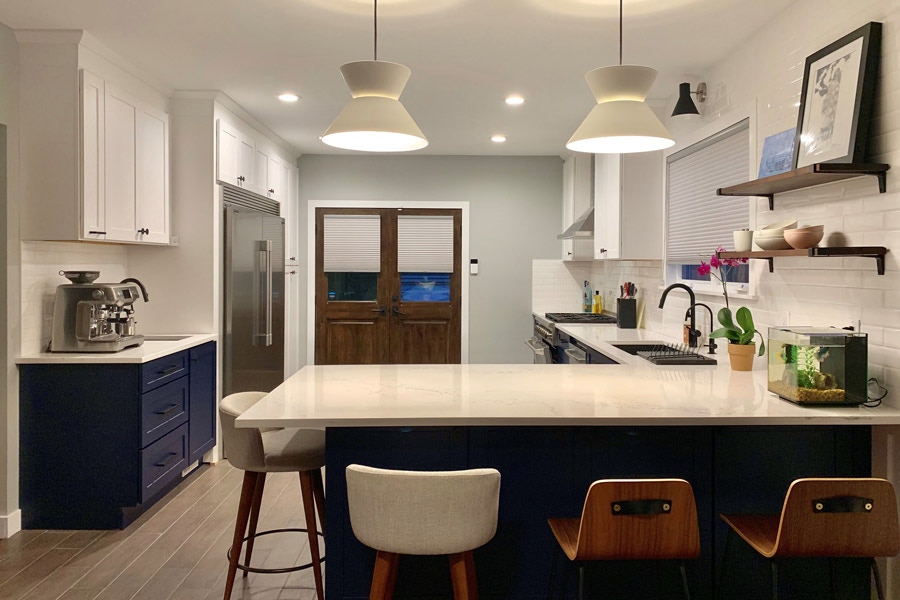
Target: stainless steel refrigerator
(253, 345)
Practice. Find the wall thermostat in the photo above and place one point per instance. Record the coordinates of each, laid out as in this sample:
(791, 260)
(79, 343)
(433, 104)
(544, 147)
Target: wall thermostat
(473, 266)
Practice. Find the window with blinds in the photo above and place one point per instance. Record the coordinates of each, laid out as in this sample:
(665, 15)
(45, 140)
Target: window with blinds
(697, 220)
(352, 244)
(424, 244)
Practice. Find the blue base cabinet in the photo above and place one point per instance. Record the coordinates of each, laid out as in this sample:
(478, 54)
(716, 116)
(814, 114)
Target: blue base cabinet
(546, 471)
(100, 443)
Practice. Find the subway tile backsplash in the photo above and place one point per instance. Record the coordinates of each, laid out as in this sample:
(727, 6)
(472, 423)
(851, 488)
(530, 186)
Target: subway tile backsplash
(41, 264)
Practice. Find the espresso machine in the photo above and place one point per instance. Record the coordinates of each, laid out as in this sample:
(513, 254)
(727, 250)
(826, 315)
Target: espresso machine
(96, 317)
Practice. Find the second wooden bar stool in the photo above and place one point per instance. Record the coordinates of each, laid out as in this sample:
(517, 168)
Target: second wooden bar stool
(632, 519)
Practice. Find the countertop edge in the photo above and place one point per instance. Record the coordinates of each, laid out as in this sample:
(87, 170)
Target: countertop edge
(146, 352)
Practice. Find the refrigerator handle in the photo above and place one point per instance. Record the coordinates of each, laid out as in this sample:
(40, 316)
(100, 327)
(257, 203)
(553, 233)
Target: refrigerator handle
(264, 294)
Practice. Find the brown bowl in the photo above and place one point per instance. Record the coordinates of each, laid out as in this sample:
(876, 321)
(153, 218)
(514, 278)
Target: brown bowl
(801, 240)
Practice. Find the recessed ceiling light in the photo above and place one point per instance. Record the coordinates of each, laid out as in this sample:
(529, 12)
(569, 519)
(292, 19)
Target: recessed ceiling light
(515, 100)
(288, 97)
(498, 139)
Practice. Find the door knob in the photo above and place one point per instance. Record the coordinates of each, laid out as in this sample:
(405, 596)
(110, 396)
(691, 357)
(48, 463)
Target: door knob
(396, 312)
(381, 310)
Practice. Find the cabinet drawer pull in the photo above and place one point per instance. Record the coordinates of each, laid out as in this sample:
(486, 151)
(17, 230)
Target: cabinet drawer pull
(169, 370)
(168, 410)
(169, 458)
(97, 232)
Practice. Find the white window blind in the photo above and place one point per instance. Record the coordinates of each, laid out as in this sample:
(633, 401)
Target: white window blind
(425, 244)
(697, 220)
(352, 244)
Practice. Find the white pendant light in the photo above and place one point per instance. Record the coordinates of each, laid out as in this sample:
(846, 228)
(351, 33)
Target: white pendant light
(375, 120)
(621, 122)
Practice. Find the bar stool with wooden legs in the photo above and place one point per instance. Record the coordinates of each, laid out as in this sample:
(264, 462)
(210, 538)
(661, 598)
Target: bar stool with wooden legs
(423, 513)
(631, 519)
(261, 451)
(827, 518)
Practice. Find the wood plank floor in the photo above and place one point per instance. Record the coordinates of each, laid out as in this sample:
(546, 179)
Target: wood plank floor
(175, 551)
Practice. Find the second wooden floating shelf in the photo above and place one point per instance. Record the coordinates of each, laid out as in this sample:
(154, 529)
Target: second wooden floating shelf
(804, 177)
(876, 252)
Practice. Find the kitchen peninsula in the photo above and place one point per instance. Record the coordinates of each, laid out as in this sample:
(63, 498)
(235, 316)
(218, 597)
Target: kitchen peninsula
(551, 430)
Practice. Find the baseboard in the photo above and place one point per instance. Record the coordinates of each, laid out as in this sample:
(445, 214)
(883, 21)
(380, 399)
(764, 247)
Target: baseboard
(10, 524)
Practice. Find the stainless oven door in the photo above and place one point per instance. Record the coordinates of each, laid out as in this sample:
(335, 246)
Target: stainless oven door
(543, 353)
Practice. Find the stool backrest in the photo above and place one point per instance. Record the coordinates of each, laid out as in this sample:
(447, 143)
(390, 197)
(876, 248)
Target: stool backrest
(243, 447)
(625, 519)
(829, 517)
(423, 512)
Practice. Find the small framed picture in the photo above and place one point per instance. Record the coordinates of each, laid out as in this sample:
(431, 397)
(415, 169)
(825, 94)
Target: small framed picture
(836, 99)
(777, 153)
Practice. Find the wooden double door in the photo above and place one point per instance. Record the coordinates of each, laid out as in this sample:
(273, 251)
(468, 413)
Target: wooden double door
(382, 318)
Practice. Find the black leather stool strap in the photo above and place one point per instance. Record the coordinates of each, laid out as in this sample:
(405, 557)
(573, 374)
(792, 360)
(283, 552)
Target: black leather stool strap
(843, 504)
(641, 507)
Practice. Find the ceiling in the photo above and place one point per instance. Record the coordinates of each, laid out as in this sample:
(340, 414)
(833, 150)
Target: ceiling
(466, 56)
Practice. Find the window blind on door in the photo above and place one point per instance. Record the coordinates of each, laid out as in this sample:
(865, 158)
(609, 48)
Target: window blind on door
(425, 244)
(697, 220)
(352, 243)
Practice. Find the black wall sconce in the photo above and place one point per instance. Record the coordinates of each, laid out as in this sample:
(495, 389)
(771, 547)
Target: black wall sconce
(685, 105)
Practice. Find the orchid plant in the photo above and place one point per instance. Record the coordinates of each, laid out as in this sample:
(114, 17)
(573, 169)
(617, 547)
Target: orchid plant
(743, 331)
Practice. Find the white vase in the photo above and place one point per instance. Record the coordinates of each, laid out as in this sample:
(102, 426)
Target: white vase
(743, 240)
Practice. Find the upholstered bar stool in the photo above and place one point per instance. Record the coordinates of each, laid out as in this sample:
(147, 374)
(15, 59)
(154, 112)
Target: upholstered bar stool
(631, 519)
(261, 451)
(824, 517)
(423, 513)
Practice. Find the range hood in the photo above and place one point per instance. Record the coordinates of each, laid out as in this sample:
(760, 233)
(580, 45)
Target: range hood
(582, 227)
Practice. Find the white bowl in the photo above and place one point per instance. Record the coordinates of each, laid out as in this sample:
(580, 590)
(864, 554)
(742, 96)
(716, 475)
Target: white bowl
(789, 224)
(771, 243)
(768, 233)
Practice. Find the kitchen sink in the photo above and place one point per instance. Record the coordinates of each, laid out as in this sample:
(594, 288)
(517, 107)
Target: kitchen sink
(660, 353)
(165, 338)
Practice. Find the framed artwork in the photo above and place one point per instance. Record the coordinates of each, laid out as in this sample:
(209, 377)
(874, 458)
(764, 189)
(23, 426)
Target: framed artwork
(777, 153)
(836, 99)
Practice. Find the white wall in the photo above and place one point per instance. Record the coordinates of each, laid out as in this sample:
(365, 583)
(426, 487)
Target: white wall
(10, 517)
(514, 203)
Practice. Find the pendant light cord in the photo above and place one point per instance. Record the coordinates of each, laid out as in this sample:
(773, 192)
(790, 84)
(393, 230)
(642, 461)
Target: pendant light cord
(620, 32)
(375, 19)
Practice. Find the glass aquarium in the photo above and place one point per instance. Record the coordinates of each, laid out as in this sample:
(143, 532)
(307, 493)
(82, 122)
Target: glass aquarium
(816, 365)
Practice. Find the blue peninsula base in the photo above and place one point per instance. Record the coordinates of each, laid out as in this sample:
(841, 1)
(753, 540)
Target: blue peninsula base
(546, 472)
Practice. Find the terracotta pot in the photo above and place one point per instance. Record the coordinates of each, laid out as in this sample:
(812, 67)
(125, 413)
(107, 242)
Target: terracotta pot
(741, 356)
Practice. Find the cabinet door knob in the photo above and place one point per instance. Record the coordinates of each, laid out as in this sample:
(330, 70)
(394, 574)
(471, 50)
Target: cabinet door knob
(104, 233)
(271, 190)
(603, 250)
(143, 231)
(241, 178)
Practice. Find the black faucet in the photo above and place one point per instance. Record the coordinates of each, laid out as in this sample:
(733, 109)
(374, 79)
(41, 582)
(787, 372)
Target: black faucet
(693, 334)
(140, 285)
(690, 310)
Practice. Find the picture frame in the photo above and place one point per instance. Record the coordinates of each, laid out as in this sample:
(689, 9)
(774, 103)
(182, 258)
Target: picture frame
(777, 153)
(836, 99)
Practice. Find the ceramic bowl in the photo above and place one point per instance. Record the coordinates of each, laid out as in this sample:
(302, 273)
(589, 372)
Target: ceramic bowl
(771, 242)
(788, 224)
(802, 239)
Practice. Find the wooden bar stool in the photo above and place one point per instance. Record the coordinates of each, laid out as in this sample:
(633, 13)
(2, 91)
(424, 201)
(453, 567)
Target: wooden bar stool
(261, 451)
(829, 518)
(423, 513)
(631, 519)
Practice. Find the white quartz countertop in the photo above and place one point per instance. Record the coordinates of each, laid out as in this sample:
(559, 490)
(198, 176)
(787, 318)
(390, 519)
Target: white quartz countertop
(632, 393)
(154, 346)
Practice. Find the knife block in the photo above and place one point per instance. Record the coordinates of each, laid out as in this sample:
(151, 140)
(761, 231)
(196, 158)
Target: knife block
(626, 313)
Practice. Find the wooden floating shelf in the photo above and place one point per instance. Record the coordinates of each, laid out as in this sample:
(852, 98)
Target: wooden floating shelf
(876, 252)
(804, 177)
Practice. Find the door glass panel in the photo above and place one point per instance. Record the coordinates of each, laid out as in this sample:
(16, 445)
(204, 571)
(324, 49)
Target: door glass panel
(425, 287)
(352, 287)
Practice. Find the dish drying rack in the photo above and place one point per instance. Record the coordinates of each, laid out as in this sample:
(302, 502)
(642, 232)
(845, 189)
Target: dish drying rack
(678, 354)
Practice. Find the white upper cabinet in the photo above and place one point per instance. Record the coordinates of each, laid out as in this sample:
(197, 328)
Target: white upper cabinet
(261, 176)
(628, 206)
(236, 156)
(290, 211)
(93, 157)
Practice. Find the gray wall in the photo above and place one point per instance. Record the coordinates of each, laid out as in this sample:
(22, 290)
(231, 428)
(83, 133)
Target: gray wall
(515, 214)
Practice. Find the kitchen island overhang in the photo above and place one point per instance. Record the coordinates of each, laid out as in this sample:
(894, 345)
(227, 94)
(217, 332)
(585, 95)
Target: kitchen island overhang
(551, 430)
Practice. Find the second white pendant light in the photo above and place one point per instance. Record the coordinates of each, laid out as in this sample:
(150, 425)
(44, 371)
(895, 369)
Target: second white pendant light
(621, 122)
(375, 120)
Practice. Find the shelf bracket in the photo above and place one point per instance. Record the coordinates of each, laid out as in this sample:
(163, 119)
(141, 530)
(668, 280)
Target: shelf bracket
(879, 261)
(771, 262)
(771, 198)
(882, 188)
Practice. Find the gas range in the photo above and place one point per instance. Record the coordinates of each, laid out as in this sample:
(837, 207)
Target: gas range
(579, 318)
